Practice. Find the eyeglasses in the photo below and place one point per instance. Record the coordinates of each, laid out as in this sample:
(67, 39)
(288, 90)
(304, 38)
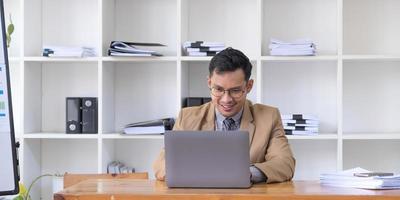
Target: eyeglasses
(234, 93)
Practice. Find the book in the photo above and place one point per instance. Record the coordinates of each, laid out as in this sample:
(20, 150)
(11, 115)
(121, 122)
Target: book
(300, 121)
(294, 132)
(292, 47)
(292, 52)
(299, 116)
(117, 167)
(116, 53)
(204, 49)
(128, 49)
(144, 130)
(208, 53)
(301, 128)
(296, 125)
(158, 126)
(303, 41)
(300, 47)
(350, 178)
(198, 44)
(66, 51)
(138, 43)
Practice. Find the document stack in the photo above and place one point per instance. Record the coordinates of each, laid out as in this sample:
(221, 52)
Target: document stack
(116, 167)
(361, 178)
(300, 124)
(200, 48)
(129, 49)
(64, 51)
(158, 126)
(300, 47)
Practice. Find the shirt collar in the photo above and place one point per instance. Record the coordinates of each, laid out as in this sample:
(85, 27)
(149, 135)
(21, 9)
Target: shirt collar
(237, 117)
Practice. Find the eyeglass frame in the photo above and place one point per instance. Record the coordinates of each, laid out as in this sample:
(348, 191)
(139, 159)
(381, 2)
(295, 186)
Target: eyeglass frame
(242, 90)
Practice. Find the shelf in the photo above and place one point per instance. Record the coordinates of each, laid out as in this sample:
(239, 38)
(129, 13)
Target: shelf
(193, 58)
(300, 58)
(321, 136)
(205, 58)
(59, 136)
(291, 87)
(18, 136)
(371, 57)
(314, 19)
(14, 59)
(124, 20)
(371, 97)
(49, 59)
(139, 59)
(123, 136)
(371, 136)
(353, 78)
(372, 29)
(195, 24)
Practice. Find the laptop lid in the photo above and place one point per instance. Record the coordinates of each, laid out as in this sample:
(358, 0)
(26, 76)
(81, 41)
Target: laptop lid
(212, 159)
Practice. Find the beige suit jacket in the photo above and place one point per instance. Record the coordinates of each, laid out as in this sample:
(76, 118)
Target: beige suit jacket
(269, 148)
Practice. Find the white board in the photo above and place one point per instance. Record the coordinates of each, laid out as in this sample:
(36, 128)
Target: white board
(8, 168)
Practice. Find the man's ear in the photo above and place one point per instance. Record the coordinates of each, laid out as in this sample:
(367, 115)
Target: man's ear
(209, 81)
(249, 85)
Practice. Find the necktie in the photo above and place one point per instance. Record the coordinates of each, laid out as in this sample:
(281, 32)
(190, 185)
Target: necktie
(229, 124)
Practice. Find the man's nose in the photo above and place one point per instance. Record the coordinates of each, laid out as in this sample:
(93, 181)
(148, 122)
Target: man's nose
(226, 97)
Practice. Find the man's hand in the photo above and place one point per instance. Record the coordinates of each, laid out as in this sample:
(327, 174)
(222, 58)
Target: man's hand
(257, 176)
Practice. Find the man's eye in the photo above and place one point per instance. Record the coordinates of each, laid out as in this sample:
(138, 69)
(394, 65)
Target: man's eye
(236, 90)
(219, 89)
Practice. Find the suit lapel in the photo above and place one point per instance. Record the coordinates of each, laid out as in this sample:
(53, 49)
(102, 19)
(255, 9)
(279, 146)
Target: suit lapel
(247, 121)
(209, 124)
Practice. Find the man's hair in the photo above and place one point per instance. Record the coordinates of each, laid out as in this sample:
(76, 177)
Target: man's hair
(229, 60)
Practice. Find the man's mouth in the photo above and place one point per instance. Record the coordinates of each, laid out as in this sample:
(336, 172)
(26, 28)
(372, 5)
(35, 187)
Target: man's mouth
(227, 107)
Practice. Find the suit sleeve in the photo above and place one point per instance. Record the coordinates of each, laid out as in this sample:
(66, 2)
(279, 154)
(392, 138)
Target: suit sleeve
(279, 161)
(159, 163)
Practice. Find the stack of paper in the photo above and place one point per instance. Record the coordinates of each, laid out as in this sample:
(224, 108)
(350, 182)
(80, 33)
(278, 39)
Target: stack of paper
(117, 167)
(65, 51)
(350, 178)
(300, 124)
(158, 126)
(200, 48)
(129, 49)
(300, 47)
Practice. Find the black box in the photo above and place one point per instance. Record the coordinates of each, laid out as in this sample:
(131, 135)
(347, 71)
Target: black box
(73, 115)
(89, 115)
(194, 101)
(206, 100)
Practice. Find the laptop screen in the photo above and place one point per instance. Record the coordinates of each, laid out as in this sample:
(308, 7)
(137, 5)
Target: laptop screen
(8, 164)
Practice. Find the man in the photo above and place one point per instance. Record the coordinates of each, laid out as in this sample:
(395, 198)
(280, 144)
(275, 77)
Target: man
(229, 82)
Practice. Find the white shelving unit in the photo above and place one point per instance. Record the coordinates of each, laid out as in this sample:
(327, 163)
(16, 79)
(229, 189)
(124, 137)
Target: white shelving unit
(351, 84)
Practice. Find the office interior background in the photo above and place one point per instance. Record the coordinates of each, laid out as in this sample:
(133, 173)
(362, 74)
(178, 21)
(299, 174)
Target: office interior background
(351, 84)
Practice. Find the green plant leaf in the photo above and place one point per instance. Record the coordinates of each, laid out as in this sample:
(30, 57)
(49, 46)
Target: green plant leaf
(10, 29)
(27, 196)
(19, 197)
(8, 37)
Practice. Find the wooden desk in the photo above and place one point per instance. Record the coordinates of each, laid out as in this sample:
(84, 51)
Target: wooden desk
(148, 189)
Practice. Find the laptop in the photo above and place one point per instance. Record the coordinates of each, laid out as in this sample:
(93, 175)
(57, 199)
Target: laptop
(207, 159)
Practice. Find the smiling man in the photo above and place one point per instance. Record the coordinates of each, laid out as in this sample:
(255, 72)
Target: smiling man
(229, 82)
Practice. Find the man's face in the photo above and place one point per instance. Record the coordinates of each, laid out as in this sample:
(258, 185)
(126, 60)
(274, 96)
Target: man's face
(230, 103)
